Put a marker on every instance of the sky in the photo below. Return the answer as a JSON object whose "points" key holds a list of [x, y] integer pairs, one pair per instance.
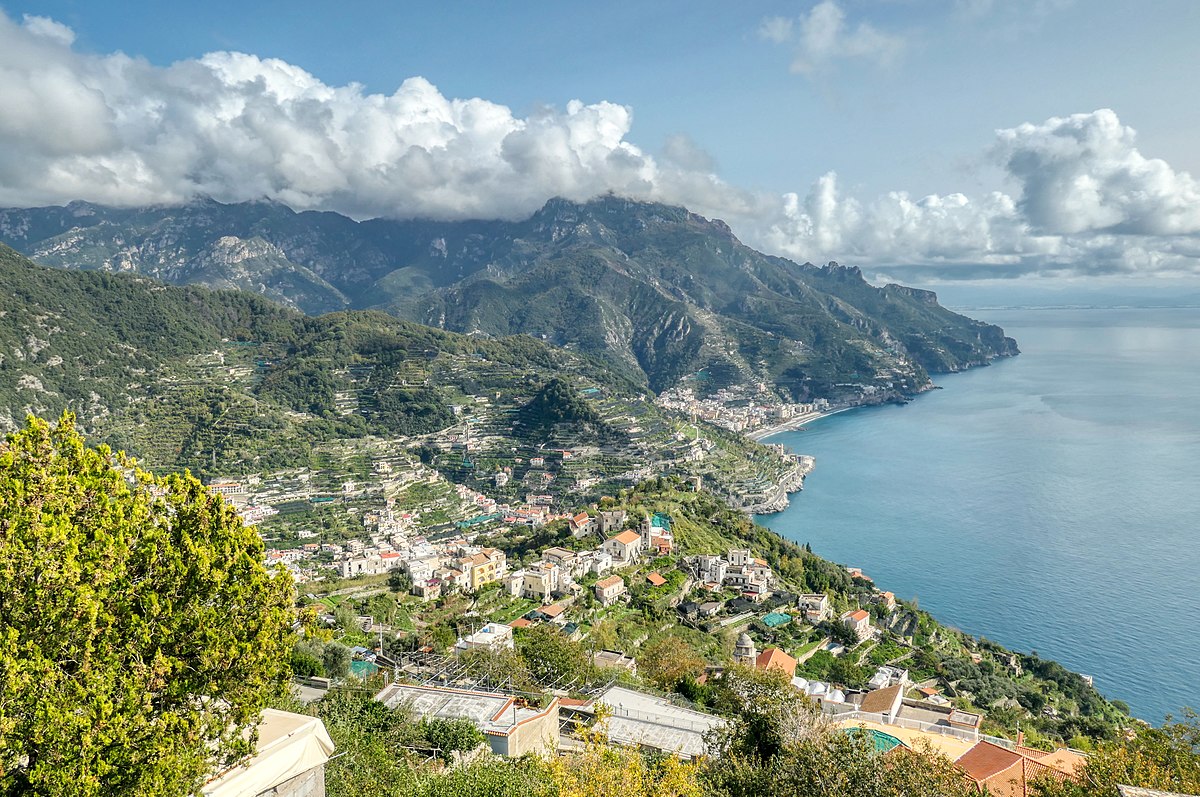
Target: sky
{"points": [[933, 139]]}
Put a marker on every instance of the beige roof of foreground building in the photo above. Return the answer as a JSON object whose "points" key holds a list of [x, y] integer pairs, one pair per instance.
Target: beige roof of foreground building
{"points": [[288, 745]]}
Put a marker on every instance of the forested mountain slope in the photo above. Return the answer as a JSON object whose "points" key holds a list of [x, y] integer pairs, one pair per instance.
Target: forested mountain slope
{"points": [[656, 291]]}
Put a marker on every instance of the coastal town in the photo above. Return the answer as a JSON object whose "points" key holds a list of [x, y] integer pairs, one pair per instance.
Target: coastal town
{"points": [[755, 411], [428, 561], [433, 585]]}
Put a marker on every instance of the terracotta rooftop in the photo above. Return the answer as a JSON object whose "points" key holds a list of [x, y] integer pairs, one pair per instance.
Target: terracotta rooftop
{"points": [[553, 610], [611, 581], [627, 537], [776, 659], [986, 760], [520, 622], [860, 615], [655, 579], [1010, 773]]}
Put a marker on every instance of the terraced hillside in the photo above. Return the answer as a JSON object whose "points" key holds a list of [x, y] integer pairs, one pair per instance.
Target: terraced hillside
{"points": [[227, 383]]}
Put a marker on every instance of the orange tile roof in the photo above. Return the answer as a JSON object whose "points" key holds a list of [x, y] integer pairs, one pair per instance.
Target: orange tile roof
{"points": [[520, 622], [627, 537], [553, 610], [776, 659], [1066, 761], [611, 581], [860, 615], [655, 579], [986, 760], [1008, 773]]}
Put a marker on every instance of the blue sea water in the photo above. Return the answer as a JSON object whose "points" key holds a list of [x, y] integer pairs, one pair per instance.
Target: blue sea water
{"points": [[1050, 502]]}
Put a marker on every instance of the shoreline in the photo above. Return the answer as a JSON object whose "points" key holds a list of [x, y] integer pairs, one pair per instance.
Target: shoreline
{"points": [[1019, 644], [791, 424]]}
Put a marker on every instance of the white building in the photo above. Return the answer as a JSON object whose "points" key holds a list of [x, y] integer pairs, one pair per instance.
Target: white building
{"points": [[815, 607], [609, 590], [493, 636], [859, 622], [541, 581], [625, 548]]}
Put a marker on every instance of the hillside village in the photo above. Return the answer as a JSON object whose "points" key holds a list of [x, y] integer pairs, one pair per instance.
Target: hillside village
{"points": [[434, 620]]}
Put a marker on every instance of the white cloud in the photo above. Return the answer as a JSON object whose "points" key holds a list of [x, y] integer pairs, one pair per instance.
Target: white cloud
{"points": [[48, 29], [822, 37], [119, 130], [1087, 202], [776, 29], [896, 228], [1083, 174]]}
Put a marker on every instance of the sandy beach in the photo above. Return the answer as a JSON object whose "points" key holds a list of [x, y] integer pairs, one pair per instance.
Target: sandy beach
{"points": [[791, 424]]}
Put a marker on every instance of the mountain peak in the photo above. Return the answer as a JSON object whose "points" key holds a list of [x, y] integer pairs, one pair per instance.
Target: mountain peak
{"points": [[658, 292]]}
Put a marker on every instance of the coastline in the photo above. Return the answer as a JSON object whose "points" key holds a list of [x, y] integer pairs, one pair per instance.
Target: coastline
{"points": [[1074, 658], [791, 424]]}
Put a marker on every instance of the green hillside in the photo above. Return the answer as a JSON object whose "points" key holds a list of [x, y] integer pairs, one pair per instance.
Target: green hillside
{"points": [[655, 291], [224, 382]]}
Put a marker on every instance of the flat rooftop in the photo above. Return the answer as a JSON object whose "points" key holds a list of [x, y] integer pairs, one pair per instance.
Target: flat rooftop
{"points": [[481, 708], [642, 719]]}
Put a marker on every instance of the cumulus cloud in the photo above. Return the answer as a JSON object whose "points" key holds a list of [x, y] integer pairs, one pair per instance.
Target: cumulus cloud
{"points": [[118, 130], [1086, 201], [1082, 173], [897, 228], [48, 28], [822, 37], [229, 125]]}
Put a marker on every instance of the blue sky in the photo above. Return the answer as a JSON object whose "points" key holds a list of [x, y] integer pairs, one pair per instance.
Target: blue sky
{"points": [[800, 122]]}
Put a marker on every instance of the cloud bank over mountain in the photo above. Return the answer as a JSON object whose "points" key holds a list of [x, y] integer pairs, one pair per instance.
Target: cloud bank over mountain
{"points": [[119, 130]]}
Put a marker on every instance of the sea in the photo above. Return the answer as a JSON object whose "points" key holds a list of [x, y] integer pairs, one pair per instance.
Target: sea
{"points": [[1049, 502]]}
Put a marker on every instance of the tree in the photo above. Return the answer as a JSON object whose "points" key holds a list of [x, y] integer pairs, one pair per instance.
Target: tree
{"points": [[603, 771], [451, 736], [669, 660], [399, 581], [336, 659], [766, 713], [843, 670], [141, 634], [604, 635], [832, 763], [838, 631], [440, 636], [307, 659], [551, 657]]}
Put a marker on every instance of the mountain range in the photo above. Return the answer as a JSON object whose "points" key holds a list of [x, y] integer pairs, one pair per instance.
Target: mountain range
{"points": [[227, 383], [657, 292]]}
